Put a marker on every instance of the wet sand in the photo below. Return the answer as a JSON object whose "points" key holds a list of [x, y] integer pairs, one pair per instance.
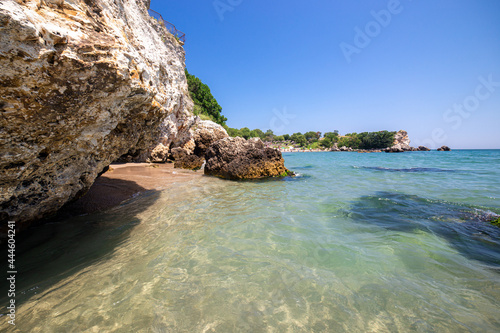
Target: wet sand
{"points": [[123, 181]]}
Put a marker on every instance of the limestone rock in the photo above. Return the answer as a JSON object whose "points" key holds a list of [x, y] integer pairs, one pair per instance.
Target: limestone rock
{"points": [[335, 147], [401, 143], [83, 82], [207, 132], [191, 162], [423, 148], [187, 132], [401, 138], [179, 153], [237, 158], [444, 148]]}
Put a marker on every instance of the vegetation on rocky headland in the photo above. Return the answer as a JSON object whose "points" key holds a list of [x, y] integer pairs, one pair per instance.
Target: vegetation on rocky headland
{"points": [[314, 140]]}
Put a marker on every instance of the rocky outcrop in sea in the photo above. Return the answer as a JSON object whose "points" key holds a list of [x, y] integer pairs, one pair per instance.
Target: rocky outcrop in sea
{"points": [[237, 158], [444, 148], [401, 143], [83, 82]]}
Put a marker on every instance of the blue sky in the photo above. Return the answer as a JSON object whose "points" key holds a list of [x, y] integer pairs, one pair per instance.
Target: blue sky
{"points": [[429, 67]]}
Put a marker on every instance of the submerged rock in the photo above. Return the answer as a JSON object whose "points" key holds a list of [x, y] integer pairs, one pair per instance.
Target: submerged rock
{"points": [[83, 82], [444, 148], [237, 158]]}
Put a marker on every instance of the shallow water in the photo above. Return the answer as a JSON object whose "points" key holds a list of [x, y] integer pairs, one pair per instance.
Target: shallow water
{"points": [[355, 243]]}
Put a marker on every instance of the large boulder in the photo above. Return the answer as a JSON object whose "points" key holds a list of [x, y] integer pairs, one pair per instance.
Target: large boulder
{"points": [[207, 132], [185, 134], [82, 83], [237, 158], [423, 148]]}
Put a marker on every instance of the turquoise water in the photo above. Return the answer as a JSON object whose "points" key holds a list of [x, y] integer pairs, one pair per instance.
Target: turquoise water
{"points": [[355, 243]]}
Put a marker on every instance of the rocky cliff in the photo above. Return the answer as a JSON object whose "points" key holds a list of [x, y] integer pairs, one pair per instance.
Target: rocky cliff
{"points": [[82, 82], [401, 138], [401, 143]]}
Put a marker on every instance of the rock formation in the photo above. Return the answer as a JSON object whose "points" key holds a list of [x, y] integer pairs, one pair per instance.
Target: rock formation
{"points": [[444, 148], [335, 147], [237, 158], [401, 143], [423, 148], [205, 134], [190, 136], [191, 162], [344, 148], [82, 82], [394, 149], [401, 138]]}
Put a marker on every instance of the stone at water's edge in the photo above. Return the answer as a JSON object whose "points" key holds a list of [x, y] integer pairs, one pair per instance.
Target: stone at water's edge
{"points": [[83, 82], [237, 158], [190, 162]]}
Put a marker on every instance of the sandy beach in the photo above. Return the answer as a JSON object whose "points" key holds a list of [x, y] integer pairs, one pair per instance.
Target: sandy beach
{"points": [[125, 180]]}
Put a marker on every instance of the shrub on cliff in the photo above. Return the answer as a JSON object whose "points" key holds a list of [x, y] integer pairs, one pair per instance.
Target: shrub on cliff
{"points": [[204, 101]]}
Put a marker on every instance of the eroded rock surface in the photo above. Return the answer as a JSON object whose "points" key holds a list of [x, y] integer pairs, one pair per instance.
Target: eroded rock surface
{"points": [[190, 162], [82, 83], [237, 158], [185, 135], [401, 143]]}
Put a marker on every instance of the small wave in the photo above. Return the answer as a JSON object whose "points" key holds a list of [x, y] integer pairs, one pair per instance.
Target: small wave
{"points": [[298, 177], [404, 169]]}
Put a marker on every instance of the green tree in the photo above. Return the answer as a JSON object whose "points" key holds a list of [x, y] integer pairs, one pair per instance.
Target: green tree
{"points": [[268, 136], [257, 133], [312, 136], [245, 132], [326, 142], [367, 140], [204, 102], [333, 136], [279, 138], [286, 137], [299, 139], [233, 132]]}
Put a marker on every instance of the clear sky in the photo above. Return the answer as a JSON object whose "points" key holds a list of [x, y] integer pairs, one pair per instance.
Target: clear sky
{"points": [[429, 67]]}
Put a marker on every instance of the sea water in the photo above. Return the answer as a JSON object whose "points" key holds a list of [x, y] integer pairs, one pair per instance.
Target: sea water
{"points": [[354, 243]]}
